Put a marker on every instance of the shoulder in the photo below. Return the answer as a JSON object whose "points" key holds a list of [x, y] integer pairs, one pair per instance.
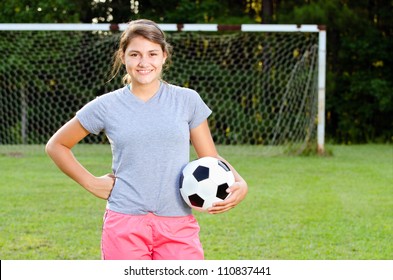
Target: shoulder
{"points": [[181, 92], [113, 95], [110, 98], [104, 101]]}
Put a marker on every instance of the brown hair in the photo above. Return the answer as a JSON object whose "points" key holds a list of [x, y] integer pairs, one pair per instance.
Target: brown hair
{"points": [[147, 29]]}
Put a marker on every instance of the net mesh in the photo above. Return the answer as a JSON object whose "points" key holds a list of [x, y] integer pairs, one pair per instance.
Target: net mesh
{"points": [[261, 86]]}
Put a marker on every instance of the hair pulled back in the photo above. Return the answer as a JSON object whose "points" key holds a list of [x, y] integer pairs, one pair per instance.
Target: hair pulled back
{"points": [[147, 29]]}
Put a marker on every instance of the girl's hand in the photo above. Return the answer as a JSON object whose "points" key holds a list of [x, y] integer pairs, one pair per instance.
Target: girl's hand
{"points": [[238, 192], [102, 186]]}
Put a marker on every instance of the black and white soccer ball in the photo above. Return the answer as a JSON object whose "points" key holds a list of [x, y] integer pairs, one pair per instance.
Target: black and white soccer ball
{"points": [[204, 181]]}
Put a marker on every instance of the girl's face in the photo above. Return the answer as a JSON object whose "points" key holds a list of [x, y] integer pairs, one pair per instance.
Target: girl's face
{"points": [[143, 60]]}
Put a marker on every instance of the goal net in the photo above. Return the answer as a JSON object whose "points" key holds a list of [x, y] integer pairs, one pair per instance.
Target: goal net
{"points": [[261, 86]]}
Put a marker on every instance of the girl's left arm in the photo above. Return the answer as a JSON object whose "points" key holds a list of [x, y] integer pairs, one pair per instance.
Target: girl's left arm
{"points": [[204, 146]]}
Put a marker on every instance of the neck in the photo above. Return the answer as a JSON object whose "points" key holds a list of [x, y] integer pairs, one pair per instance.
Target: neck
{"points": [[145, 91]]}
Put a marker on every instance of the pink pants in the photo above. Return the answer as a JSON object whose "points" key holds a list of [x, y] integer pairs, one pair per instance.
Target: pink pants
{"points": [[150, 237]]}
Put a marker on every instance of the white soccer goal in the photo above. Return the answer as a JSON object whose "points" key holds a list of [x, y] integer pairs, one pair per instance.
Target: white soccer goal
{"points": [[264, 83]]}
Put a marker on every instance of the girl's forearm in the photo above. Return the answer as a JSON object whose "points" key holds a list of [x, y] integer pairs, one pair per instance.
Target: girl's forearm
{"points": [[63, 157]]}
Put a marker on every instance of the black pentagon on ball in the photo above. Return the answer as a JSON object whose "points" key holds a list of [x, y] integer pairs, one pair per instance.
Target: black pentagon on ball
{"points": [[201, 173], [224, 166], [196, 200], [222, 191], [181, 179]]}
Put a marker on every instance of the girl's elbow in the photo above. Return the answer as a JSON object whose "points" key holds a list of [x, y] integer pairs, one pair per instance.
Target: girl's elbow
{"points": [[50, 147]]}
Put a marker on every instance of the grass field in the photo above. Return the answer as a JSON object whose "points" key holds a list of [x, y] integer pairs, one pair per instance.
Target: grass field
{"points": [[298, 208]]}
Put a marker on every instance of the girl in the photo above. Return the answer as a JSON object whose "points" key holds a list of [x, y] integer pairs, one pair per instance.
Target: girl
{"points": [[149, 124]]}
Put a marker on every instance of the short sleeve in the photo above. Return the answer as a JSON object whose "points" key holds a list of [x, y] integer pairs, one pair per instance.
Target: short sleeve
{"points": [[199, 111], [92, 116]]}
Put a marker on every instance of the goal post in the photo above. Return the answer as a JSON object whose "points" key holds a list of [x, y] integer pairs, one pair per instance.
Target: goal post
{"points": [[265, 83], [321, 90]]}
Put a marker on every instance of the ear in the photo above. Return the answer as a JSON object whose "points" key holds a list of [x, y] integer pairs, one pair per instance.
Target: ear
{"points": [[165, 57]]}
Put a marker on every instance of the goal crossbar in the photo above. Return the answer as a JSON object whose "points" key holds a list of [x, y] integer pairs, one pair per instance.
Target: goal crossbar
{"points": [[163, 26]]}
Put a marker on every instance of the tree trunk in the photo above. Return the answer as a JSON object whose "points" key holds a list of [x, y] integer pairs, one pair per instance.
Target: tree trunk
{"points": [[267, 11]]}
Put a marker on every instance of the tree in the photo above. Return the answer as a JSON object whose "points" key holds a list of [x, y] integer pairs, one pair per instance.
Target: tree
{"points": [[267, 11], [359, 83], [50, 11]]}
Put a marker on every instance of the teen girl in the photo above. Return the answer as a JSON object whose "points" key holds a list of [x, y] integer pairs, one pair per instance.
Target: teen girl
{"points": [[149, 124]]}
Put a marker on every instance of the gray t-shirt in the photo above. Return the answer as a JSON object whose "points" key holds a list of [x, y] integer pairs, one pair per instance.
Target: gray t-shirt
{"points": [[150, 144]]}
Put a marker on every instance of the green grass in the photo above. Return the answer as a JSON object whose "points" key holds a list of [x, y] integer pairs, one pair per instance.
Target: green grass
{"points": [[337, 207]]}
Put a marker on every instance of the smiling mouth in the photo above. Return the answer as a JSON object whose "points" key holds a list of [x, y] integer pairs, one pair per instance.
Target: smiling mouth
{"points": [[144, 72]]}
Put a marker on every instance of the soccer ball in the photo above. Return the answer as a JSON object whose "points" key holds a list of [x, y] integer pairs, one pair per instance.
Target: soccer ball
{"points": [[204, 181]]}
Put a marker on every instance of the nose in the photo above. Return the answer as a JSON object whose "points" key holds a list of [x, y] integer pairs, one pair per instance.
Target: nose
{"points": [[142, 62]]}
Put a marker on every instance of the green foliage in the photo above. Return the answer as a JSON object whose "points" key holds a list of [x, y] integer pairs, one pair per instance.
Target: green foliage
{"points": [[191, 11], [48, 11], [360, 80]]}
